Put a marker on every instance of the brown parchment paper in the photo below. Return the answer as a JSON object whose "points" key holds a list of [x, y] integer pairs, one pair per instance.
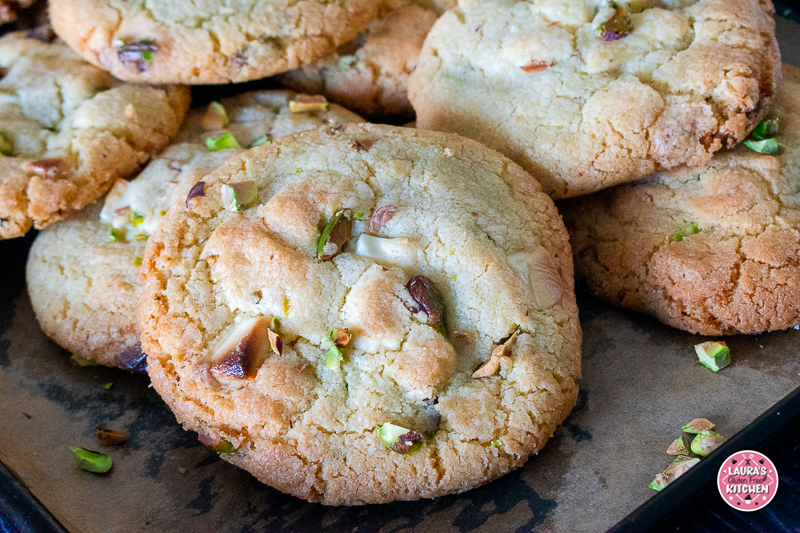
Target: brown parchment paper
{"points": [[641, 383]]}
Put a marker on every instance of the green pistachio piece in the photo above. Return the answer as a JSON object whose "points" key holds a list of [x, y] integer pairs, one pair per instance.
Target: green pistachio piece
{"points": [[215, 117], [617, 27], [116, 235], [359, 215], [347, 62], [108, 385], [680, 446], [764, 146], [224, 446], [239, 196], [495, 443], [141, 237], [699, 425], [261, 140], [659, 483], [689, 229], [91, 461], [428, 297], [82, 361], [334, 358], [6, 146], [706, 442], [400, 439], [335, 235], [765, 128], [135, 52], [225, 142], [137, 261], [714, 355], [339, 336], [135, 218]]}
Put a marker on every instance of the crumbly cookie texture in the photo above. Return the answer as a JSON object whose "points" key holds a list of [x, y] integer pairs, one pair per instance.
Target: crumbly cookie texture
{"points": [[585, 97], [713, 250], [9, 8], [83, 273], [183, 41], [370, 73], [68, 130], [497, 263]]}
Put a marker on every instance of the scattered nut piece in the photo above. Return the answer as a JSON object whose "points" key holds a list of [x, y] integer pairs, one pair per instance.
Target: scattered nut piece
{"points": [[215, 117], [198, 190], [424, 292], [109, 437], [339, 336], [500, 353], [304, 102], [242, 353], [275, 342], [381, 217], [699, 425]]}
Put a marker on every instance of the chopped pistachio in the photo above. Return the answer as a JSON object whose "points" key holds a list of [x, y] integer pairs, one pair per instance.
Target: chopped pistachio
{"points": [[242, 352], [339, 336], [304, 102], [116, 235], [261, 140], [347, 62], [224, 446], [215, 117], [337, 232], [224, 142], [135, 218], [616, 27], [240, 195], [764, 146], [140, 237], [6, 146], [109, 437], [659, 483], [765, 129], [163, 212], [680, 446], [298, 170], [428, 297], [136, 53], [334, 358], [495, 443], [699, 425], [676, 469], [500, 353], [275, 342], [198, 190], [381, 217], [453, 277], [714, 355], [276, 324], [706, 442], [83, 361], [91, 461], [359, 215], [400, 439], [689, 229], [108, 385]]}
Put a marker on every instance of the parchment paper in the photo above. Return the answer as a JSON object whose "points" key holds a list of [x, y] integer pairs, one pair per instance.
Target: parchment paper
{"points": [[641, 383]]}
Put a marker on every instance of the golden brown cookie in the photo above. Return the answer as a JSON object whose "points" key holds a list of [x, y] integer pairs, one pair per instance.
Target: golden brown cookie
{"points": [[68, 130], [585, 95], [712, 250], [365, 314]]}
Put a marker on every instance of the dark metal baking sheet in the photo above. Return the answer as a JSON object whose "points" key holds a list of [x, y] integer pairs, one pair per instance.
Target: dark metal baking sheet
{"points": [[641, 382]]}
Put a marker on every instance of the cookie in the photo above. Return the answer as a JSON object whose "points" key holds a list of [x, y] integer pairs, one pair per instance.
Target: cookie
{"points": [[9, 9], [68, 130], [586, 97], [83, 273], [367, 282], [370, 73], [712, 250], [183, 41]]}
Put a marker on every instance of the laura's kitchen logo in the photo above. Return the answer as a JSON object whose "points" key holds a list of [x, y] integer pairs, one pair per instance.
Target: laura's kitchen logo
{"points": [[747, 480]]}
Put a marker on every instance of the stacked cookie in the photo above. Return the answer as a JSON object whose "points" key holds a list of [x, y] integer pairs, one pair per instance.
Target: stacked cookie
{"points": [[358, 313]]}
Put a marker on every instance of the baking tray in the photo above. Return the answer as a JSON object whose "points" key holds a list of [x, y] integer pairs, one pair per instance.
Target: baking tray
{"points": [[641, 382]]}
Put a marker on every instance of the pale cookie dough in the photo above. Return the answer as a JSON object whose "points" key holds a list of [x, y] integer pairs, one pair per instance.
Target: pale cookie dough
{"points": [[370, 73], [474, 224], [68, 130], [535, 80], [83, 273], [183, 41], [736, 267]]}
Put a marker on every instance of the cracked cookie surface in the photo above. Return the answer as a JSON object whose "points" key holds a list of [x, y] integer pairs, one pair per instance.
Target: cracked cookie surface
{"points": [[68, 130], [183, 41], [83, 280], [474, 224], [370, 73], [582, 107], [736, 267]]}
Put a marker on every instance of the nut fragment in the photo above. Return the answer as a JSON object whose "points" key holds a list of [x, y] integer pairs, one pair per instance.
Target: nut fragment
{"points": [[538, 65], [400, 439], [50, 168], [381, 217], [198, 190], [706, 442], [336, 232], [699, 425], [430, 300], [138, 53], [339, 336], [109, 437], [617, 26], [275, 342], [243, 351], [240, 195], [680, 446], [215, 117], [498, 354], [676, 469], [6, 146], [304, 102]]}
